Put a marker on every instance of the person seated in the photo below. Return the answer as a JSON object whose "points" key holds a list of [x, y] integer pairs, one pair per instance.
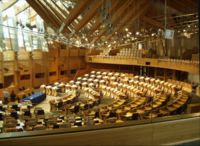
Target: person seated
{"points": [[76, 109], [40, 112], [24, 96], [1, 107], [135, 116], [55, 126], [60, 104], [15, 107], [6, 96], [18, 99], [97, 114], [12, 96], [1, 116], [27, 113], [23, 88], [113, 114], [14, 114]]}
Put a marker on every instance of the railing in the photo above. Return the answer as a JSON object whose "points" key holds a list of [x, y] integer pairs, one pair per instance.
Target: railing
{"points": [[181, 65], [176, 129]]}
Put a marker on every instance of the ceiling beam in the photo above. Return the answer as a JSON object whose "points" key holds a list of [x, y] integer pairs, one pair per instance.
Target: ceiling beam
{"points": [[192, 3], [48, 12], [130, 18], [7, 5], [18, 11], [152, 22], [41, 12], [91, 13], [173, 4], [60, 9], [115, 5], [77, 10], [120, 12], [53, 10], [51, 15]]}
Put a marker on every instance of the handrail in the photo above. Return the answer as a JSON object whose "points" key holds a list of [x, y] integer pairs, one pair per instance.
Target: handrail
{"points": [[11, 135], [186, 66]]}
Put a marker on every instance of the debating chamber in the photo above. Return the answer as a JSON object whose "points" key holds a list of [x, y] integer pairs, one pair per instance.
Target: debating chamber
{"points": [[99, 72]]}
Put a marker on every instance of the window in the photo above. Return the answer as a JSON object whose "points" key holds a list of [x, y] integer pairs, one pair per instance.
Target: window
{"points": [[53, 73], [73, 71], [39, 75], [63, 72], [25, 77]]}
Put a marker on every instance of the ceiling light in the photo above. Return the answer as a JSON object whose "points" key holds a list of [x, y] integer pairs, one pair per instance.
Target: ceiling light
{"points": [[126, 29], [137, 33], [184, 30]]}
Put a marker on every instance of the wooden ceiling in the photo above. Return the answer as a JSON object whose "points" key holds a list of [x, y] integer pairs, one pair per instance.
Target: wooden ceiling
{"points": [[104, 20]]}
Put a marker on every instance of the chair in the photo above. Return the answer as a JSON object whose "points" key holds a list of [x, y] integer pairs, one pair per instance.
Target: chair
{"points": [[97, 115], [112, 114], [40, 113], [78, 122], [1, 116], [55, 126], [60, 104], [14, 114], [15, 107], [27, 114], [76, 109], [135, 116], [1, 108]]}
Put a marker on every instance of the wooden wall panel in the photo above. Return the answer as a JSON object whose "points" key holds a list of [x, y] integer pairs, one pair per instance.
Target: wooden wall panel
{"points": [[74, 63], [1, 77], [73, 51], [39, 72], [31, 69], [64, 51], [24, 68], [82, 62], [53, 52], [82, 52]]}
